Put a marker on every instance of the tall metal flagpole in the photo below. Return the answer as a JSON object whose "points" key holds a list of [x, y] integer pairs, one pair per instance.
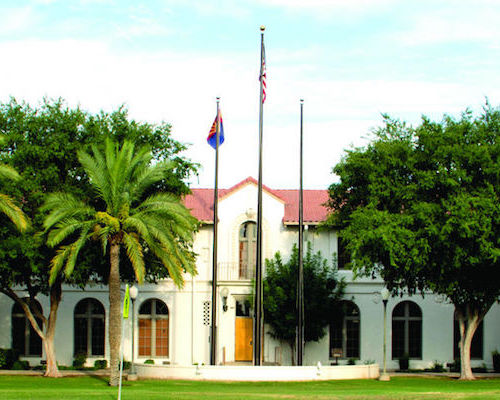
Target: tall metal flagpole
{"points": [[257, 329], [213, 328], [300, 272]]}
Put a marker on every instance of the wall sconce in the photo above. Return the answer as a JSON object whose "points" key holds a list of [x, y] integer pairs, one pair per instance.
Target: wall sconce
{"points": [[224, 294]]}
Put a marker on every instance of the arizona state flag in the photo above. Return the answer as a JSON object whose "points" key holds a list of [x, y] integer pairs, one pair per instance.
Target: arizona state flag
{"points": [[212, 135]]}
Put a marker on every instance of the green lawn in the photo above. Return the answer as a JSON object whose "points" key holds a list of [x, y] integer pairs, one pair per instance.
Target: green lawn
{"points": [[88, 388]]}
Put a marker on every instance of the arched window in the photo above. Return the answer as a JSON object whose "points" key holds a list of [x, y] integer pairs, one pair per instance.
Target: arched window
{"points": [[476, 349], [153, 329], [248, 239], [344, 331], [89, 327], [24, 338], [407, 330]]}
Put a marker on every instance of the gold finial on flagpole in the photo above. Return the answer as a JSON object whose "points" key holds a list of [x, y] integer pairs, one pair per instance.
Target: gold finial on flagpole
{"points": [[262, 28]]}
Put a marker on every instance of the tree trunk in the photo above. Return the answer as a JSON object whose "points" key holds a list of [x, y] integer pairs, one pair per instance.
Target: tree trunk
{"points": [[49, 325], [50, 330], [468, 321], [52, 370], [115, 316], [292, 348]]}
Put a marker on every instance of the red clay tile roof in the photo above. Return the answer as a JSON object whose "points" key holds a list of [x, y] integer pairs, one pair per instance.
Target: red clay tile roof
{"points": [[201, 201]]}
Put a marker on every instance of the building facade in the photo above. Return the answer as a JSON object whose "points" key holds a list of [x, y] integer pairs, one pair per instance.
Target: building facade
{"points": [[172, 326]]}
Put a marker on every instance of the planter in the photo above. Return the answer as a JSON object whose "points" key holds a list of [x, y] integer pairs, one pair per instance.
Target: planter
{"points": [[404, 363], [496, 361]]}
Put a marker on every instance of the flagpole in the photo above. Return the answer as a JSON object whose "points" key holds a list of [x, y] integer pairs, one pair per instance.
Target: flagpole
{"points": [[300, 272], [257, 340], [213, 328]]}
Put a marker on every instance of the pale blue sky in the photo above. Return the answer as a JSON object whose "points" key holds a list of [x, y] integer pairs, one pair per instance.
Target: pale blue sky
{"points": [[169, 59]]}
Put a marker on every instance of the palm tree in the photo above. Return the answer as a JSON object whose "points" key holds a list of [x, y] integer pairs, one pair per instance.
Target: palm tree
{"points": [[7, 205], [158, 224]]}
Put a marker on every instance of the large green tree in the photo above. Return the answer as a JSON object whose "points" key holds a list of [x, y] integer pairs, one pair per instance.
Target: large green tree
{"points": [[421, 208], [42, 143], [124, 220], [322, 294]]}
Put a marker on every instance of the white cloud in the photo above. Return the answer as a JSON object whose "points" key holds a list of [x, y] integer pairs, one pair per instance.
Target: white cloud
{"points": [[180, 88], [467, 22], [325, 8], [15, 20]]}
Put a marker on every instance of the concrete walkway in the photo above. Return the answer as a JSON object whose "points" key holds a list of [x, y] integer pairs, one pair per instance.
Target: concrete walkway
{"points": [[105, 373], [64, 373]]}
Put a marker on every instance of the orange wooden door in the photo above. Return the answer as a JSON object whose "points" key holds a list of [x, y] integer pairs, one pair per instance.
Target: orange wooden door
{"points": [[243, 339]]}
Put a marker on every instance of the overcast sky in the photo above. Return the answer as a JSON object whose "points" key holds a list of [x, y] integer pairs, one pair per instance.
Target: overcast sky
{"points": [[167, 60]]}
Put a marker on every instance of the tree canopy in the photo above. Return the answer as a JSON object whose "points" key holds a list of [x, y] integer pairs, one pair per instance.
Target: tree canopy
{"points": [[42, 143], [420, 206], [322, 293]]}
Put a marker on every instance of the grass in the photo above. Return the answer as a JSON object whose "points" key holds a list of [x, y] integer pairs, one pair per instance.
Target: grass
{"points": [[88, 388]]}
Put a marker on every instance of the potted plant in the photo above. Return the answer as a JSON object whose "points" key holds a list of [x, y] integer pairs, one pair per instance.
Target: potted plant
{"points": [[404, 362], [495, 355]]}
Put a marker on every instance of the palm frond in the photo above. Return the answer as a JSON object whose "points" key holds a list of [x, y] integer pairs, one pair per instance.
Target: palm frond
{"points": [[13, 212], [57, 262], [135, 255], [75, 250], [63, 206], [62, 230], [95, 166], [7, 172]]}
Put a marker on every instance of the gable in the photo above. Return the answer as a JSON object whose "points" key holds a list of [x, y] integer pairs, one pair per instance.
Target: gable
{"points": [[201, 202]]}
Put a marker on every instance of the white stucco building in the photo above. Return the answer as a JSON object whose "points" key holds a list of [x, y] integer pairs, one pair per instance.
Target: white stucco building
{"points": [[172, 326]]}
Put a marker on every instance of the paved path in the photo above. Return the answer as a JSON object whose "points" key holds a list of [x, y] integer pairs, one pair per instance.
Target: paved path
{"points": [[105, 373]]}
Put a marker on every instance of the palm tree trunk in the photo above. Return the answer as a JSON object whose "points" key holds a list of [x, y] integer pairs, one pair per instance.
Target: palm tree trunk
{"points": [[115, 317]]}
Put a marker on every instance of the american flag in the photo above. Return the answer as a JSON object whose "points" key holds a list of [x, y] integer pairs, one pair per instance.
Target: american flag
{"points": [[263, 73]]}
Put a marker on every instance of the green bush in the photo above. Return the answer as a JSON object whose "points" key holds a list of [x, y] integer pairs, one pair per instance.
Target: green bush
{"points": [[79, 360], [482, 368], [127, 364], [149, 361], [351, 361], [101, 364], [20, 365], [455, 367], [7, 358], [437, 367]]}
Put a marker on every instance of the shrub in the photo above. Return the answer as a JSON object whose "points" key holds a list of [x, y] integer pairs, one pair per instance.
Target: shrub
{"points": [[482, 368], [455, 367], [437, 367], [100, 364], [351, 361], [20, 365], [149, 361], [7, 358], [79, 360], [127, 364]]}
